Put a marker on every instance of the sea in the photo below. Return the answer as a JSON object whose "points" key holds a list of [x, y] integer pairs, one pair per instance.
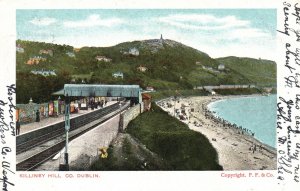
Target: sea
{"points": [[257, 114]]}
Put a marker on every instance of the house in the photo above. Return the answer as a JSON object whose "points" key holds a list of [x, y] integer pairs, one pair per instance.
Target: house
{"points": [[44, 72], [149, 88], [198, 63], [19, 49], [103, 59], [35, 60], [31, 62], [118, 75], [71, 54], [211, 69], [76, 49], [147, 101], [221, 67], [49, 52], [142, 68], [133, 51], [207, 68]]}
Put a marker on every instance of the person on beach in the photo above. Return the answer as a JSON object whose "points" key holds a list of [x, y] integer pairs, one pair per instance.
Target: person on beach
{"points": [[254, 148]]}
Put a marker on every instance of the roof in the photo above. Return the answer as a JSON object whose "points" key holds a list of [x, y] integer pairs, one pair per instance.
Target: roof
{"points": [[59, 92], [146, 96], [101, 90]]}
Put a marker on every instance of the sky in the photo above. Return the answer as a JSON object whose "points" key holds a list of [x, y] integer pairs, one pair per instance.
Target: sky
{"points": [[217, 32]]}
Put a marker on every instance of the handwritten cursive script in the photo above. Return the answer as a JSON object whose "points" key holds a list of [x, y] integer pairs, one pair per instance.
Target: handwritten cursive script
{"points": [[288, 106], [7, 129]]}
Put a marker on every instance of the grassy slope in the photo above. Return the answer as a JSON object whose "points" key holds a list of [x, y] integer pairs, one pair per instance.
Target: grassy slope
{"points": [[180, 147], [172, 145], [172, 67], [261, 72], [59, 61]]}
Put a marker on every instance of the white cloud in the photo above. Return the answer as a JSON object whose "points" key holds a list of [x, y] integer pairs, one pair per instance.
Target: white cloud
{"points": [[43, 21], [242, 35], [203, 21], [220, 31], [92, 21]]}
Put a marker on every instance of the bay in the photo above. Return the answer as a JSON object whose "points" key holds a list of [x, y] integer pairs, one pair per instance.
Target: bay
{"points": [[257, 114]]}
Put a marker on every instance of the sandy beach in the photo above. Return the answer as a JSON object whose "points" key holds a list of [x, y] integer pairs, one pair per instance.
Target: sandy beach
{"points": [[237, 149]]}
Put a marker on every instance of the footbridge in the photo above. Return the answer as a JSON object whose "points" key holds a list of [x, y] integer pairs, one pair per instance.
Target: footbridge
{"points": [[132, 92]]}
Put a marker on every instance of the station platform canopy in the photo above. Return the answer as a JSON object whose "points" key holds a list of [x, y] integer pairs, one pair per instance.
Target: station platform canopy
{"points": [[102, 90]]}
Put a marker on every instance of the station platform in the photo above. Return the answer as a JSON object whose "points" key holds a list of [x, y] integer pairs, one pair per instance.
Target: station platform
{"points": [[53, 120]]}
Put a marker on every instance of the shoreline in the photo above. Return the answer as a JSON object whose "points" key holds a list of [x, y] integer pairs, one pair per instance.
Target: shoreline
{"points": [[236, 150], [237, 97]]}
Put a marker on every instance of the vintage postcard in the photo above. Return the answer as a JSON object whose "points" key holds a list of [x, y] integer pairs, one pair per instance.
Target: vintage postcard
{"points": [[152, 95]]}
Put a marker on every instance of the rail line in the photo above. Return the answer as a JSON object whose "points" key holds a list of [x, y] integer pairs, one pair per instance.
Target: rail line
{"points": [[37, 159], [85, 119]]}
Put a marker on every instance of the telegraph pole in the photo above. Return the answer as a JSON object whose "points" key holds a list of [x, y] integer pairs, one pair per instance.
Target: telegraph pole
{"points": [[65, 166]]}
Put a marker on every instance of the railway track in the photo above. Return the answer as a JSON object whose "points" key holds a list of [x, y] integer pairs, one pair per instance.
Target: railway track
{"points": [[75, 124], [23, 147], [37, 159]]}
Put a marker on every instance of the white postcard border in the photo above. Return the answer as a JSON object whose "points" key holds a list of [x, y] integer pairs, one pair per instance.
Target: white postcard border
{"points": [[127, 180]]}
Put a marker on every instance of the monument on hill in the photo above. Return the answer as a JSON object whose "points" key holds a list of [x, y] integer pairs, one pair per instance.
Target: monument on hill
{"points": [[161, 38]]}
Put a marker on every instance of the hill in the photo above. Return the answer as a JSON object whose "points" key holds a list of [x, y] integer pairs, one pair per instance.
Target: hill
{"points": [[261, 72], [162, 64]]}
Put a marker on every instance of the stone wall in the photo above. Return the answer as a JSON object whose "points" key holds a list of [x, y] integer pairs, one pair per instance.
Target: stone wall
{"points": [[129, 115], [84, 150], [225, 87]]}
